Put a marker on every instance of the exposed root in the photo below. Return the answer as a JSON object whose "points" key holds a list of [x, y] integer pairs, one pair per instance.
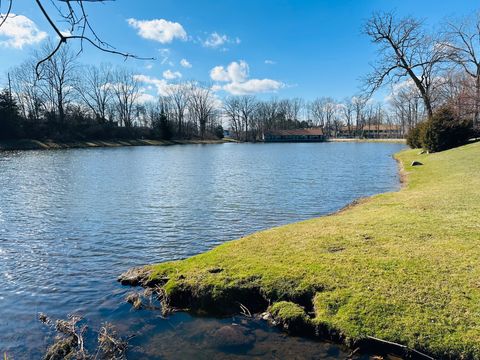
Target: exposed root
{"points": [[244, 310], [164, 301]]}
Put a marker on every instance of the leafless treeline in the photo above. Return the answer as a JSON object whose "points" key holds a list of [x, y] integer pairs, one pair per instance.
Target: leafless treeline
{"points": [[426, 69], [68, 96], [249, 118]]}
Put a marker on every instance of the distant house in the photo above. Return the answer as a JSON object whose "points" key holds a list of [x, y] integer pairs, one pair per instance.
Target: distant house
{"points": [[378, 131], [295, 135], [347, 132], [381, 131]]}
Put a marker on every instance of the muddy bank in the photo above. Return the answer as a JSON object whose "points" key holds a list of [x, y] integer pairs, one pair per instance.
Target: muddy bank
{"points": [[28, 144]]}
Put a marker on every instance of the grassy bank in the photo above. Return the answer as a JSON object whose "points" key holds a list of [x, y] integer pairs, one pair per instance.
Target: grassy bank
{"points": [[403, 266], [50, 145]]}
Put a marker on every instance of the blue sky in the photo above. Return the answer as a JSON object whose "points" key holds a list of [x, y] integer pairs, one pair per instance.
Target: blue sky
{"points": [[284, 48]]}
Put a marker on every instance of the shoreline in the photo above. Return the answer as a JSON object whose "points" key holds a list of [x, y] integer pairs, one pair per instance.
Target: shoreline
{"points": [[299, 324], [29, 144], [322, 288]]}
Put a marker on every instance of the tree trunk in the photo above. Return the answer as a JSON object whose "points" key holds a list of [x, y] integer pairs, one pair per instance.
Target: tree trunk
{"points": [[180, 119], [202, 129], [477, 97], [61, 112]]}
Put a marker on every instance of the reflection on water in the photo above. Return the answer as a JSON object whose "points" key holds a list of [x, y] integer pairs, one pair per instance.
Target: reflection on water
{"points": [[72, 220]]}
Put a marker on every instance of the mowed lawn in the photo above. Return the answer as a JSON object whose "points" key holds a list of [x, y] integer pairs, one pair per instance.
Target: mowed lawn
{"points": [[402, 266]]}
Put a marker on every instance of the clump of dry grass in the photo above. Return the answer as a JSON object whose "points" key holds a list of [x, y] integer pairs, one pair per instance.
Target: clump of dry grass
{"points": [[70, 344]]}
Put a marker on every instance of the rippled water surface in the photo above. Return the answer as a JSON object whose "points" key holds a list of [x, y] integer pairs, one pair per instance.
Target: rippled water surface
{"points": [[72, 220]]}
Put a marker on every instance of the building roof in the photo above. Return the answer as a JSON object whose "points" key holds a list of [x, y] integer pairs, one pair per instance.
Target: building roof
{"points": [[296, 132]]}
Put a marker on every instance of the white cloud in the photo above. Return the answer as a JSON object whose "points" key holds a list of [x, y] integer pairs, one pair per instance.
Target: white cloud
{"points": [[216, 40], [217, 87], [170, 75], [405, 86], [218, 73], [235, 72], [18, 31], [236, 76], [160, 30], [162, 85], [253, 86], [146, 98], [270, 62], [185, 63]]}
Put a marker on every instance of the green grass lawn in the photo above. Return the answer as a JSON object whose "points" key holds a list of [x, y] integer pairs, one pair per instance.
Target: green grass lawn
{"points": [[403, 266]]}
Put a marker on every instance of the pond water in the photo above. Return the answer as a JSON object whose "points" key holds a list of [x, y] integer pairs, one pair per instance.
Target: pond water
{"points": [[72, 220]]}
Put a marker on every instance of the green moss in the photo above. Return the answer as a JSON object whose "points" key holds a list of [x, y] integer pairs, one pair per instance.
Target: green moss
{"points": [[287, 311], [292, 317], [403, 266]]}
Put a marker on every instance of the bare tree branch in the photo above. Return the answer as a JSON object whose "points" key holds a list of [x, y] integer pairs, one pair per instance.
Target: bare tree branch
{"points": [[4, 18], [404, 51], [80, 28]]}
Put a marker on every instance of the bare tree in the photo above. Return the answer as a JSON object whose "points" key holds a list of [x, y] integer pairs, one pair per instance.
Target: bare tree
{"points": [[360, 102], [201, 105], [231, 109], [464, 40], [323, 112], [247, 106], [57, 78], [407, 105], [405, 50], [125, 88], [293, 108], [316, 112], [179, 95], [25, 88], [347, 109], [268, 113], [95, 90]]}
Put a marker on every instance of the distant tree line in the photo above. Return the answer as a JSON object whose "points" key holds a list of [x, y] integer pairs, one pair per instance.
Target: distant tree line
{"points": [[64, 100], [61, 99], [249, 118]]}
